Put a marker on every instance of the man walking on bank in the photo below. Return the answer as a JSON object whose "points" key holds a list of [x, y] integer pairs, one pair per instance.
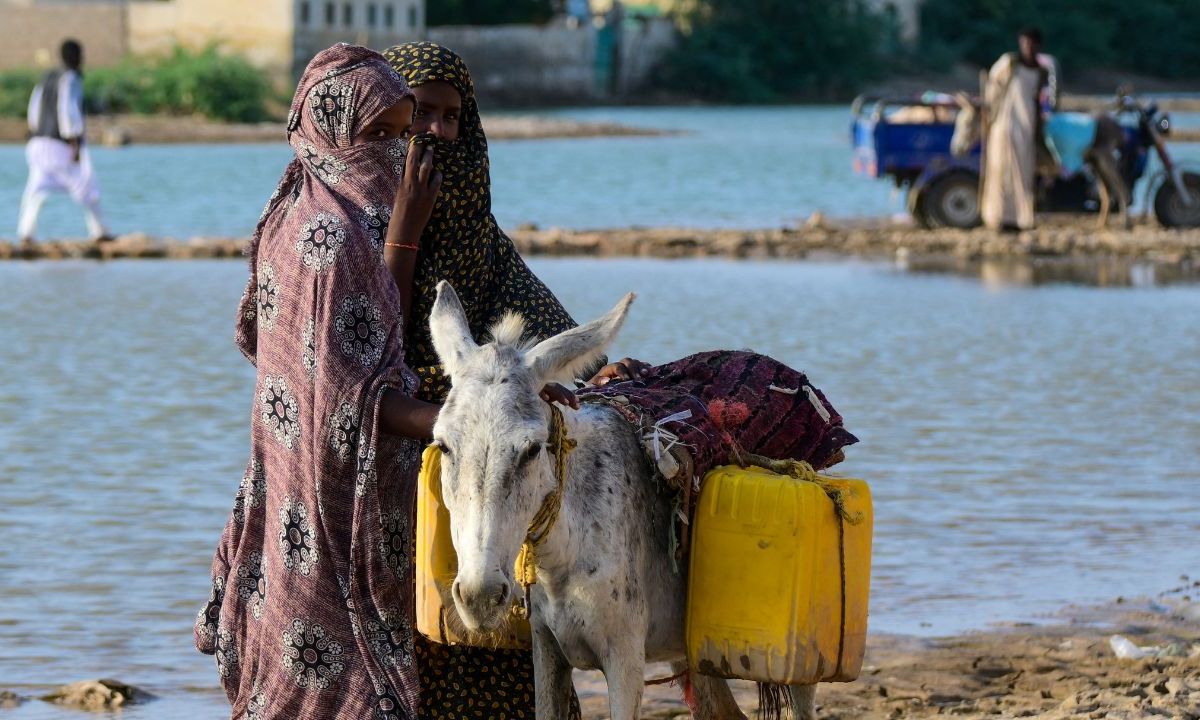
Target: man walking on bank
{"points": [[57, 155], [1014, 88]]}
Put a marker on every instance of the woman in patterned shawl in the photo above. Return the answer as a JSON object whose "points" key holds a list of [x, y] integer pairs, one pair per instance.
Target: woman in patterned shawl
{"points": [[310, 611]]}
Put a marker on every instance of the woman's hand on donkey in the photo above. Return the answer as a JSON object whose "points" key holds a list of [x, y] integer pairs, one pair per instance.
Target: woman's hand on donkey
{"points": [[624, 369], [555, 393]]}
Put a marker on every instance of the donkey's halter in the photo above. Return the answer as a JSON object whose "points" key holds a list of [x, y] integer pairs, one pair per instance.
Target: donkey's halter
{"points": [[547, 515]]}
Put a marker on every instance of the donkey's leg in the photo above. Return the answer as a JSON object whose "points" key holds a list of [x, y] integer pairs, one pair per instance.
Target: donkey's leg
{"points": [[714, 699], [1109, 175], [1105, 205], [804, 701], [551, 676], [624, 669]]}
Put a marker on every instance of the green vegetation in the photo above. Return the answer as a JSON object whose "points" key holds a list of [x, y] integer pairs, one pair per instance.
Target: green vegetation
{"points": [[1152, 37], [15, 86], [208, 82], [768, 51], [489, 12], [184, 82]]}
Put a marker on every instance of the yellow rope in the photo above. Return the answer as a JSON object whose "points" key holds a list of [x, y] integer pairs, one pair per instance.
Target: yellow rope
{"points": [[547, 515], [803, 471]]}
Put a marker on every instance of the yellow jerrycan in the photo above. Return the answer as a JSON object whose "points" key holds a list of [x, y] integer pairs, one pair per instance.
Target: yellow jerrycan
{"points": [[779, 578], [437, 566]]}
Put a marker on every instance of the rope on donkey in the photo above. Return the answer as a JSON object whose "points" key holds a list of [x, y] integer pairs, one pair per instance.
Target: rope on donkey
{"points": [[801, 470], [547, 515]]}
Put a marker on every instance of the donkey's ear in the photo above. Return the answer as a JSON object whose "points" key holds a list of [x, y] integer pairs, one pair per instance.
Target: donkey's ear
{"points": [[450, 330], [559, 358]]}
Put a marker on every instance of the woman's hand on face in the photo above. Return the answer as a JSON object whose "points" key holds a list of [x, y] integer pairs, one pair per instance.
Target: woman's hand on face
{"points": [[417, 194], [624, 369], [555, 393]]}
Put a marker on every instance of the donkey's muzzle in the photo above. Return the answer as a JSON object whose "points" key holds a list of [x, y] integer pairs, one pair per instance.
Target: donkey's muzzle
{"points": [[482, 604]]}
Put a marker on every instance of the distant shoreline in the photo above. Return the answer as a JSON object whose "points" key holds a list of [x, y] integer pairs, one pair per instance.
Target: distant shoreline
{"points": [[1063, 249], [116, 130]]}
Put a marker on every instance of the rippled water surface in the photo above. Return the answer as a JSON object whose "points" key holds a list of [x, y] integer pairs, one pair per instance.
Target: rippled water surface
{"points": [[1027, 447], [728, 167]]}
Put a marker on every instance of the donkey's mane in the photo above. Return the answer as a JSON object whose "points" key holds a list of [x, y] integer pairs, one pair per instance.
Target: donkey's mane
{"points": [[510, 331]]}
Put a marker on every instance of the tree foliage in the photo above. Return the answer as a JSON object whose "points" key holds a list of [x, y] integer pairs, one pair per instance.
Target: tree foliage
{"points": [[1153, 37], [770, 50], [489, 12]]}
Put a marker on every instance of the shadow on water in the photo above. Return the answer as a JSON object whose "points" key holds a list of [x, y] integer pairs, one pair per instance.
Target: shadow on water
{"points": [[1035, 271]]}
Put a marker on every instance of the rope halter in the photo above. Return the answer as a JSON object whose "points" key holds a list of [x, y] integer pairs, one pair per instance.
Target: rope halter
{"points": [[547, 515]]}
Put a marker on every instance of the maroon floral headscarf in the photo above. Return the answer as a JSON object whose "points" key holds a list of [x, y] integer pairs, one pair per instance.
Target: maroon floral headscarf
{"points": [[311, 605], [342, 90]]}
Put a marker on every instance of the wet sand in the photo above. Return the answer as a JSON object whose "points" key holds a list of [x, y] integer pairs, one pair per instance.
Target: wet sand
{"points": [[1064, 669], [161, 129]]}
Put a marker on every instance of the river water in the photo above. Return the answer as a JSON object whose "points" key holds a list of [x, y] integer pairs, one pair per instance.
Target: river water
{"points": [[727, 167], [1027, 446]]}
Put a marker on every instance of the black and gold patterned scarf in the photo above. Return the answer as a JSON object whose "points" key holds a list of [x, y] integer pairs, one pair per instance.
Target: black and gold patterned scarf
{"points": [[462, 242]]}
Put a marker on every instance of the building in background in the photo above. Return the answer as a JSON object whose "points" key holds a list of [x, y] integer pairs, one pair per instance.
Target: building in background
{"points": [[654, 7], [277, 35]]}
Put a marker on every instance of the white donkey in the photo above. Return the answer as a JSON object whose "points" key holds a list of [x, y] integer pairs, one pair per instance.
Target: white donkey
{"points": [[606, 596]]}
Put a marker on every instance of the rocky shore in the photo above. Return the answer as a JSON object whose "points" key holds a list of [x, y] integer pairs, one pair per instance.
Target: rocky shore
{"points": [[1059, 251], [115, 130]]}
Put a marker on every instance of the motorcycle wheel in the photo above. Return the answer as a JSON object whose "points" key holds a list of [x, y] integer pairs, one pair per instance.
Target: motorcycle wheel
{"points": [[921, 216], [1170, 208], [953, 201]]}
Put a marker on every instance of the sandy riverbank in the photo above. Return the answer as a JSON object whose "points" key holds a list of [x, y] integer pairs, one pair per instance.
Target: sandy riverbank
{"points": [[1061, 250], [161, 129], [1064, 669]]}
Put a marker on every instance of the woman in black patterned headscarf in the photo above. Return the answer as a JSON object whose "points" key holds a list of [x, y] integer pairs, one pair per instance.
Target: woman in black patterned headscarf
{"points": [[462, 243]]}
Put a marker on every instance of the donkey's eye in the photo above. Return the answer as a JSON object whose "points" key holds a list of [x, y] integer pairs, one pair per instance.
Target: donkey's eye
{"points": [[531, 451]]}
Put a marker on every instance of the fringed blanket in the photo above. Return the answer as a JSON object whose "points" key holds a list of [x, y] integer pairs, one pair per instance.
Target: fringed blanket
{"points": [[716, 408]]}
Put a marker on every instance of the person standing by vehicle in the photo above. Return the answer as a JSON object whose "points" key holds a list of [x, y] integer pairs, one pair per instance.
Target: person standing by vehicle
{"points": [[57, 156], [1013, 95]]}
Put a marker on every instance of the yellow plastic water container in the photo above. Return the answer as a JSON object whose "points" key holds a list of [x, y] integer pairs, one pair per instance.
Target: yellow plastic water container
{"points": [[779, 579], [437, 566]]}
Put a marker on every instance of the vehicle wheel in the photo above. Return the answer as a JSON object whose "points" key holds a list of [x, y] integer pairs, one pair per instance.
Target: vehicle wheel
{"points": [[1170, 208], [920, 215], [953, 201]]}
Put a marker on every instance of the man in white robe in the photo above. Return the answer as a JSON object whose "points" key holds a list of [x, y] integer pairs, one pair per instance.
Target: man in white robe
{"points": [[57, 154], [1014, 87]]}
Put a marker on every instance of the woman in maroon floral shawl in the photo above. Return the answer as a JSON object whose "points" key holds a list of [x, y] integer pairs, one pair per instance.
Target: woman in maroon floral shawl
{"points": [[311, 604]]}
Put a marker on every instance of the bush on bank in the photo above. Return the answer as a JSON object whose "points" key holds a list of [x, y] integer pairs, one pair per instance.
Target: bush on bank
{"points": [[15, 86], [204, 82]]}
